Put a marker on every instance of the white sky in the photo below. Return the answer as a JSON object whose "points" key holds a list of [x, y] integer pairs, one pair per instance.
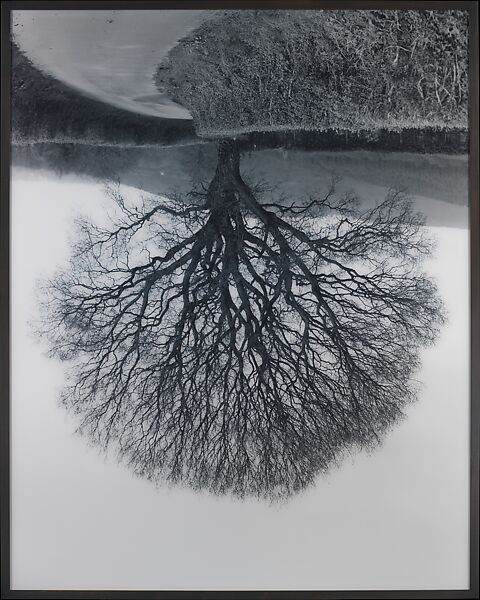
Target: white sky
{"points": [[396, 518]]}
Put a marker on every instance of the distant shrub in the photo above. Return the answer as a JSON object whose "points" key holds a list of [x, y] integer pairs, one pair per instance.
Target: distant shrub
{"points": [[317, 70]]}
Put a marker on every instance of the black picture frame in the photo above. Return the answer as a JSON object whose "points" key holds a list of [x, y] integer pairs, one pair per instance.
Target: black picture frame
{"points": [[5, 363]]}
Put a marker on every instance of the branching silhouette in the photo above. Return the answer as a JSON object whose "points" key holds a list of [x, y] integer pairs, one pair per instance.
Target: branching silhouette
{"points": [[232, 342]]}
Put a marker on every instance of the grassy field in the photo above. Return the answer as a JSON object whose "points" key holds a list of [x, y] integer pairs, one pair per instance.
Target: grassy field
{"points": [[321, 70]]}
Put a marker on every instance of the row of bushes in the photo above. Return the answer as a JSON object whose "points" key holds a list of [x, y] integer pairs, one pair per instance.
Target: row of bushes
{"points": [[45, 109], [322, 70]]}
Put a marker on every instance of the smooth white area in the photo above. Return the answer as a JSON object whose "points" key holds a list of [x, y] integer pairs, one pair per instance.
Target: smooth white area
{"points": [[110, 55], [393, 519]]}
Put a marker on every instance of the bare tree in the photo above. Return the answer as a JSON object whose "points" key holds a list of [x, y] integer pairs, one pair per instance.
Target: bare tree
{"points": [[241, 344]]}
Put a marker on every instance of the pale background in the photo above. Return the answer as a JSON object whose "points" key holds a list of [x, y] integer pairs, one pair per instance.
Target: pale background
{"points": [[396, 518]]}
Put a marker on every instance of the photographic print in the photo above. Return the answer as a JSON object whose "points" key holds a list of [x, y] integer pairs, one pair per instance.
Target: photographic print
{"points": [[240, 314]]}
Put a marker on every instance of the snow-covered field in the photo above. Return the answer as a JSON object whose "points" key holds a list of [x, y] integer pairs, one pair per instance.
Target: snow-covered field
{"points": [[110, 55], [398, 517], [438, 182]]}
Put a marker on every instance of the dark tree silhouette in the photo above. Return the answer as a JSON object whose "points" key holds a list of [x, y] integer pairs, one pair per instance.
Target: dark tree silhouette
{"points": [[241, 344]]}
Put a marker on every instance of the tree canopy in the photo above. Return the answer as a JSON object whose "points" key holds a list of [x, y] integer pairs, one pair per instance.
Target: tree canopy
{"points": [[240, 342]]}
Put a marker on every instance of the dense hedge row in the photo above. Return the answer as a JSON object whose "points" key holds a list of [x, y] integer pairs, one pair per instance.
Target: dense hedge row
{"points": [[317, 70], [45, 109]]}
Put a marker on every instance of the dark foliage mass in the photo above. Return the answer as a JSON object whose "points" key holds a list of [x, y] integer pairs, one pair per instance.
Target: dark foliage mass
{"points": [[420, 141], [322, 70], [239, 342], [44, 109]]}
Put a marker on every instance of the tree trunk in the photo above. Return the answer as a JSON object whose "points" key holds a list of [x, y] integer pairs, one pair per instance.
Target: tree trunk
{"points": [[224, 182]]}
